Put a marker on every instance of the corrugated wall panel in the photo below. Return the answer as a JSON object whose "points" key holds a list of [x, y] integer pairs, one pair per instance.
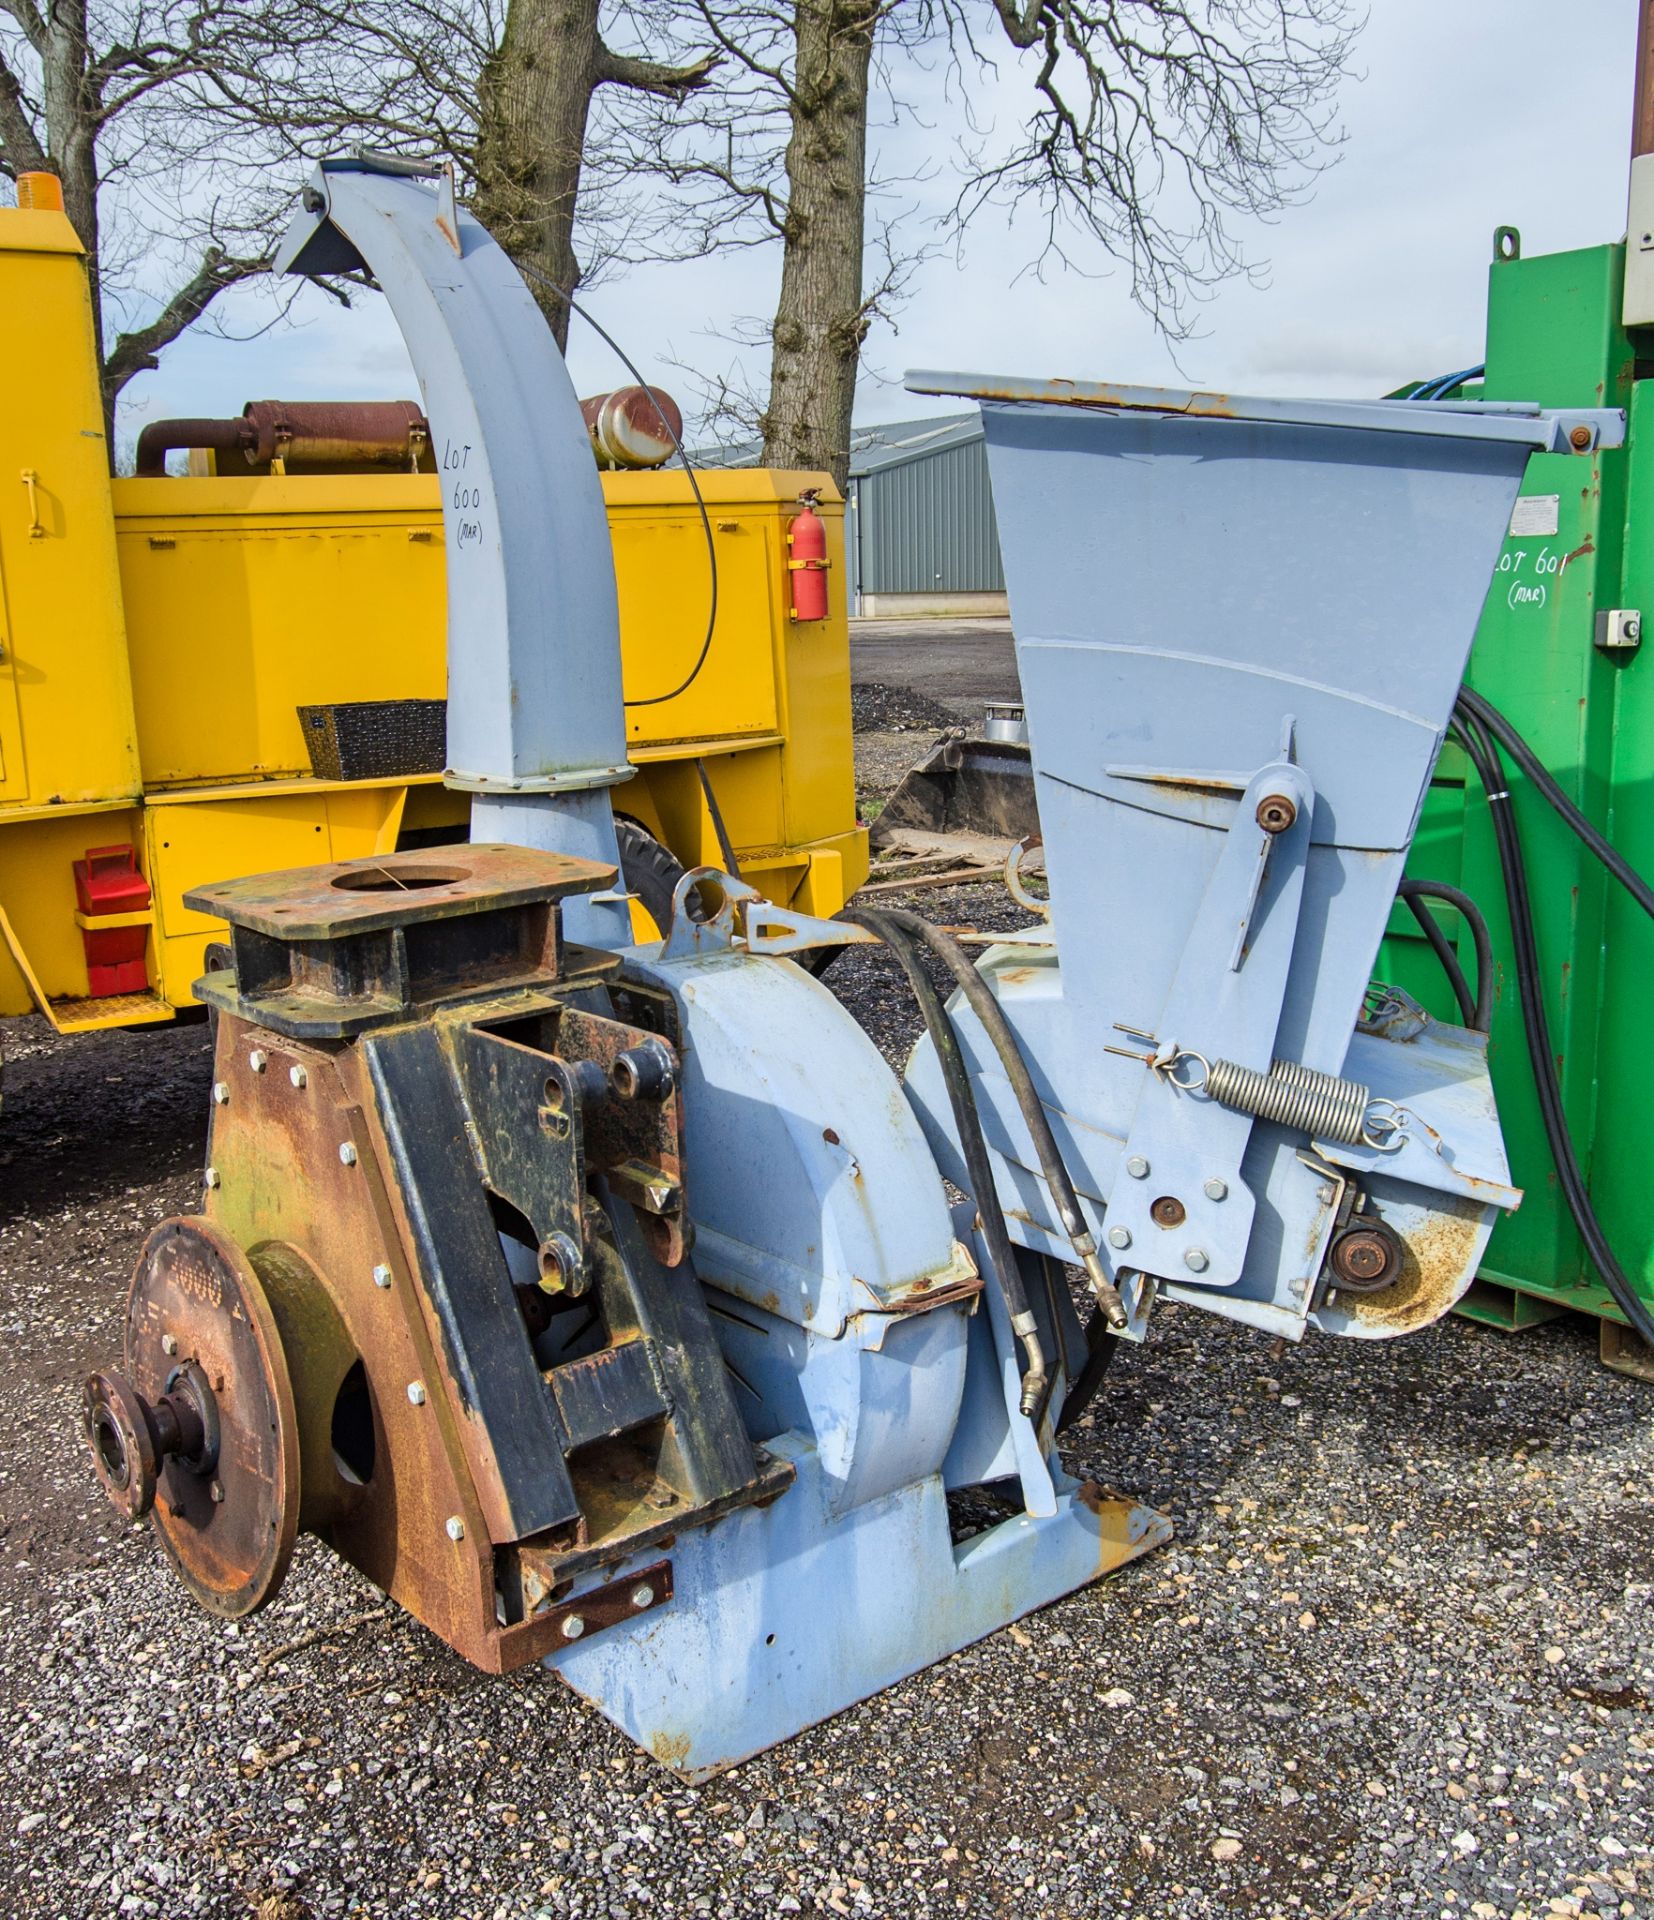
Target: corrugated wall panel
{"points": [[927, 525]]}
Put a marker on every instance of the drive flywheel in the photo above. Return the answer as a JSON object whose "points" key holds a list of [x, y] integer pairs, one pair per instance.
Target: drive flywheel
{"points": [[201, 1429]]}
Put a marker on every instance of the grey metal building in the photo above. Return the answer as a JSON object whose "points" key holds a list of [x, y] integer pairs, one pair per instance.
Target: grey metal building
{"points": [[920, 536], [919, 531]]}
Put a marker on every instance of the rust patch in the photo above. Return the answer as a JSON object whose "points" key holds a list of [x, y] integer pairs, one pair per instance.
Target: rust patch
{"points": [[1118, 1540], [670, 1749], [1623, 1351], [1436, 1261]]}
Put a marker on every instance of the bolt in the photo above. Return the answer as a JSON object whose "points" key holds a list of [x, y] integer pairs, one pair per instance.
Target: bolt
{"points": [[256, 1060], [1579, 438], [416, 1392], [1365, 1261], [211, 1176], [1217, 1189], [643, 1596], [1196, 1261], [1137, 1167], [456, 1527], [169, 1344], [1119, 1237], [1168, 1211], [1276, 812], [298, 1076], [1298, 1289], [347, 1153], [220, 1093], [562, 1266], [381, 1276], [642, 1073], [573, 1627]]}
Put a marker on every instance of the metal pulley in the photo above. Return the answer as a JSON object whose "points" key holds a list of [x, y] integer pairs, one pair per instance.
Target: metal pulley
{"points": [[201, 1428]]}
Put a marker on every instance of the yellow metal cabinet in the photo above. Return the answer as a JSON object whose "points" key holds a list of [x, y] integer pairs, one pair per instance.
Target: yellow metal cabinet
{"points": [[158, 636], [74, 739]]}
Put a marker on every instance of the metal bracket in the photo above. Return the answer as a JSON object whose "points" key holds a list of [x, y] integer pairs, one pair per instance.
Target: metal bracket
{"points": [[745, 922], [606, 1606], [1180, 1208]]}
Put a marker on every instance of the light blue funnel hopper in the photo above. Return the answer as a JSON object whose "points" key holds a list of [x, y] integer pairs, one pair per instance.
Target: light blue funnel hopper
{"points": [[1241, 626]]}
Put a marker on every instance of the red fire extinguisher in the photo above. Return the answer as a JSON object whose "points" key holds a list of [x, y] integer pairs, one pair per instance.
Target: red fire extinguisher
{"points": [[807, 538]]}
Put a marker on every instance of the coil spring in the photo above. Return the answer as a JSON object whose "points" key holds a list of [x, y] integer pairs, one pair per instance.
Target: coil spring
{"points": [[1293, 1095]]}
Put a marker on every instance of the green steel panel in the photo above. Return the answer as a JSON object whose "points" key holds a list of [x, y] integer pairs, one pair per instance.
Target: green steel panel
{"points": [[1622, 1168], [1583, 539], [1553, 330]]}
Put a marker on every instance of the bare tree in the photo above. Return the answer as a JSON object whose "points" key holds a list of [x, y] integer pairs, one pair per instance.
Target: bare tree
{"points": [[1146, 133], [92, 96], [176, 127], [524, 96]]}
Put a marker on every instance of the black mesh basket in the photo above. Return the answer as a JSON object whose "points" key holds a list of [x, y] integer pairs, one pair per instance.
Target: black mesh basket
{"points": [[376, 739]]}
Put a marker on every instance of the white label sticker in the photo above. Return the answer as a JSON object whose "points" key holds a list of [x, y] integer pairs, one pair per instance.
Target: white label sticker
{"points": [[1535, 513]]}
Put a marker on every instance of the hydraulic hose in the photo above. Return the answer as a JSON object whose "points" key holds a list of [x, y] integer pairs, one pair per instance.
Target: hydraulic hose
{"points": [[1002, 1259], [1477, 1010], [1101, 1347], [985, 1006], [625, 359], [1494, 722], [1478, 741]]}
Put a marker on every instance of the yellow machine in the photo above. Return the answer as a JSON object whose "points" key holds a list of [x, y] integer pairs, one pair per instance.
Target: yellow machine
{"points": [[158, 637]]}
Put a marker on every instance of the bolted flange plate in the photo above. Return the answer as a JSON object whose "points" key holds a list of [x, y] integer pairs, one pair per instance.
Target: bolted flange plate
{"points": [[228, 1530]]}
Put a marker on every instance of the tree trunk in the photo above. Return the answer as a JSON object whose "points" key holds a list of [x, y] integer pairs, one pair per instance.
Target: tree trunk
{"points": [[70, 110], [535, 95], [820, 321]]}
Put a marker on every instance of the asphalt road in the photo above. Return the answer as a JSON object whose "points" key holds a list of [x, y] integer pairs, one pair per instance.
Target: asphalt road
{"points": [[959, 662]]}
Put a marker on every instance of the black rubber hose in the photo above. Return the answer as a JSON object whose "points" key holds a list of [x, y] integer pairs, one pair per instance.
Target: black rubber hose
{"points": [[1002, 1259], [1484, 756], [1494, 722], [987, 1009], [1477, 1011], [1101, 1347], [1442, 948]]}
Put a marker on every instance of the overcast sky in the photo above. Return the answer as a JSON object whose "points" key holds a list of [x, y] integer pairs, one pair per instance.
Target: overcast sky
{"points": [[1465, 114]]}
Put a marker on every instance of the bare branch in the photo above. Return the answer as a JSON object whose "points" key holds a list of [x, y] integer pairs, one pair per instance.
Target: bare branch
{"points": [[651, 76], [139, 350], [30, 19]]}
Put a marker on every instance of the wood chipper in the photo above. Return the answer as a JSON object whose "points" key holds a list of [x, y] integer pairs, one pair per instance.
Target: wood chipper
{"points": [[243, 668], [604, 1301]]}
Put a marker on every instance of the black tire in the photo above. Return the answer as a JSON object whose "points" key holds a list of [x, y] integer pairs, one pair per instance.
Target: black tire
{"points": [[216, 958], [652, 872]]}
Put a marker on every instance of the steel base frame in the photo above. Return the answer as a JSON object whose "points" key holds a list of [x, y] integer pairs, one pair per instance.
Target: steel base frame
{"points": [[799, 1613]]}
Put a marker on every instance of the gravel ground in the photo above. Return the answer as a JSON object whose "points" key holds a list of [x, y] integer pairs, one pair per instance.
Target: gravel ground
{"points": [[1397, 1660], [874, 708]]}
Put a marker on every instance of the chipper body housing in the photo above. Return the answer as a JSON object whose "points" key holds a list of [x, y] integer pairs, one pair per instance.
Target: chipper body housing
{"points": [[605, 1302]]}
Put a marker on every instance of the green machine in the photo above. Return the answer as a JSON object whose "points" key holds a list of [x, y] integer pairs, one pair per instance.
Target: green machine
{"points": [[1560, 655]]}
